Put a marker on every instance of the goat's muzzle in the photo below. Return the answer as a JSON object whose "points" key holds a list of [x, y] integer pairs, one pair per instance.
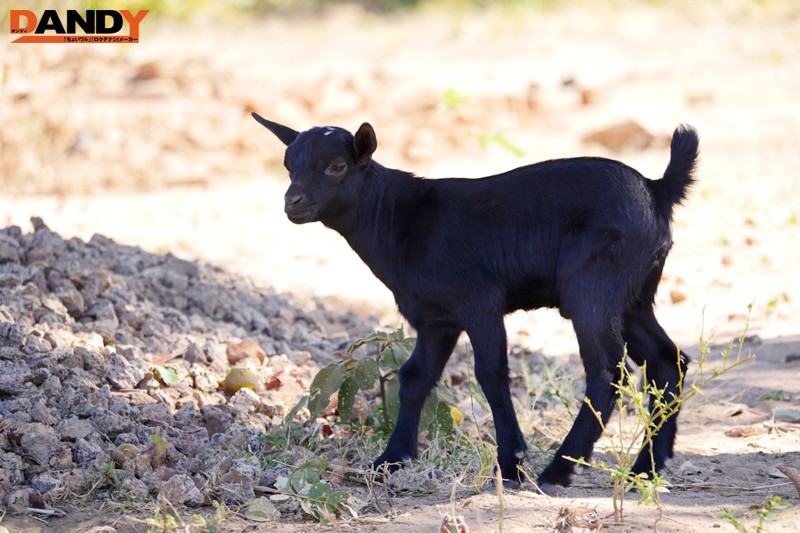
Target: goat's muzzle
{"points": [[298, 209]]}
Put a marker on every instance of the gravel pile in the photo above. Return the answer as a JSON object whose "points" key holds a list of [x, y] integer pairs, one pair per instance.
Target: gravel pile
{"points": [[103, 346]]}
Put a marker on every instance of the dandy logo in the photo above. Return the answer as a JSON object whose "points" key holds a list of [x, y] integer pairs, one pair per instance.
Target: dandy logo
{"points": [[95, 25]]}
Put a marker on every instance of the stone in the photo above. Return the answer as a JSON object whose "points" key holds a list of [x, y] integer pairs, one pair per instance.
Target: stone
{"points": [[73, 301], [180, 489], [39, 441], [136, 489], [34, 344], [246, 349], [13, 375], [261, 510], [45, 482], [8, 253], [122, 374], [90, 454], [246, 400]]}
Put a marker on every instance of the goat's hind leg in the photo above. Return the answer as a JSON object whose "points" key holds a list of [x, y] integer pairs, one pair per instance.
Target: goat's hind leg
{"points": [[601, 350], [665, 368], [417, 378]]}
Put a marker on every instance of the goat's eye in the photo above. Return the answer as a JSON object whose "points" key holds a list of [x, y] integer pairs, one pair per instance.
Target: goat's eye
{"points": [[336, 169]]}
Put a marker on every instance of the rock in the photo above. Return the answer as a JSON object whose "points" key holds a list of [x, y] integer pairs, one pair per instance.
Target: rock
{"points": [[34, 344], [787, 415], [216, 420], [81, 326], [111, 424], [45, 482], [246, 400], [194, 355], [13, 375], [11, 466], [8, 253], [39, 441], [688, 468], [89, 454], [181, 490], [261, 510], [247, 349], [73, 301], [136, 489], [122, 374]]}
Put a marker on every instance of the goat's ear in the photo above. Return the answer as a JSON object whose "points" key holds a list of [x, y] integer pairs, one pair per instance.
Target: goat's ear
{"points": [[285, 134], [364, 143]]}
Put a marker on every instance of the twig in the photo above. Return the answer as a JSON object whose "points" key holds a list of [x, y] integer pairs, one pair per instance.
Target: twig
{"points": [[46, 512], [711, 485]]}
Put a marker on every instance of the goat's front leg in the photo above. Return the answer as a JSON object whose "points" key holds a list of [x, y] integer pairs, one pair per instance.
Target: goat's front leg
{"points": [[417, 377], [491, 369]]}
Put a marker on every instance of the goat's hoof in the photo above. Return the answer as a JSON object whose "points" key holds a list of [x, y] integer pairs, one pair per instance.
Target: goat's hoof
{"points": [[389, 466], [552, 490], [508, 484]]}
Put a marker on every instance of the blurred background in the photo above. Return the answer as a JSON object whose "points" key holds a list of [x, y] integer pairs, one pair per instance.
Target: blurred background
{"points": [[152, 143]]}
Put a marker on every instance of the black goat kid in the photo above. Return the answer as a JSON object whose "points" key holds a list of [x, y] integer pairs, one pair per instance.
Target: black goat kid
{"points": [[586, 235]]}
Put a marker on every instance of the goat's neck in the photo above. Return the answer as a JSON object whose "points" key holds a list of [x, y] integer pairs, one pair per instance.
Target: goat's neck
{"points": [[371, 230]]}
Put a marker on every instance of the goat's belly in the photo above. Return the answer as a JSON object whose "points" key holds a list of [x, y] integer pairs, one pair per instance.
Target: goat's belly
{"points": [[531, 294]]}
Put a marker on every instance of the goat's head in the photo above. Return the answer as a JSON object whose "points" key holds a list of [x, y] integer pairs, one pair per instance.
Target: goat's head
{"points": [[326, 166]]}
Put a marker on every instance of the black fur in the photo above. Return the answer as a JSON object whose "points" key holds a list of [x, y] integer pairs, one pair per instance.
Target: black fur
{"points": [[588, 236]]}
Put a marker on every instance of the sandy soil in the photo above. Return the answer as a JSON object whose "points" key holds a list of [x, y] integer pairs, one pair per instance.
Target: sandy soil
{"points": [[151, 145]]}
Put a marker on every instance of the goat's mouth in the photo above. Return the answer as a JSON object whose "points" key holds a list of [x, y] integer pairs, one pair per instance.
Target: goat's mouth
{"points": [[300, 215]]}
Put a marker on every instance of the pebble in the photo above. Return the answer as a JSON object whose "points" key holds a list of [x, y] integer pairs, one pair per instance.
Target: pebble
{"points": [[82, 325]]}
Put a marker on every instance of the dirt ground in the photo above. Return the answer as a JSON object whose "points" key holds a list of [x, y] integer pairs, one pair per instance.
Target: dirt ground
{"points": [[151, 144]]}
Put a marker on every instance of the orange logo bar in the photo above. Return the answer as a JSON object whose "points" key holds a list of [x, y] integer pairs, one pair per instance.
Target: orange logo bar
{"points": [[96, 26]]}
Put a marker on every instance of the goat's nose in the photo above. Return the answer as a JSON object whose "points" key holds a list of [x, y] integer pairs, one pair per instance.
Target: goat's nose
{"points": [[293, 199]]}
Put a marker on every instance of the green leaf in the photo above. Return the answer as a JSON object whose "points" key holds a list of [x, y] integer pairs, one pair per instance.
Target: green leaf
{"points": [[337, 498], [446, 395], [444, 418], [388, 360], [500, 140], [257, 516], [326, 382], [289, 418], [396, 353], [392, 406], [398, 334], [378, 336], [319, 490], [427, 420], [165, 375], [347, 397], [367, 373], [404, 348]]}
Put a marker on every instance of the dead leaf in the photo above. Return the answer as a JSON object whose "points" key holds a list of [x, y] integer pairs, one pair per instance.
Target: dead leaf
{"points": [[742, 432]]}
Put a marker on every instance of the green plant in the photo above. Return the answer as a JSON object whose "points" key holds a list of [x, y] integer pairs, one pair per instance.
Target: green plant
{"points": [[634, 437], [108, 476], [352, 374], [764, 512], [307, 489], [500, 140], [167, 519]]}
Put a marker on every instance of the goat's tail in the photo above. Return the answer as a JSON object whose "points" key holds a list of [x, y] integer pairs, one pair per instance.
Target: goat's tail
{"points": [[674, 186]]}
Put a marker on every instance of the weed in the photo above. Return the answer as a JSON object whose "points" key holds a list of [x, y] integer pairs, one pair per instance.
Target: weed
{"points": [[763, 512], [500, 140], [167, 519], [351, 374], [307, 489], [632, 437]]}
